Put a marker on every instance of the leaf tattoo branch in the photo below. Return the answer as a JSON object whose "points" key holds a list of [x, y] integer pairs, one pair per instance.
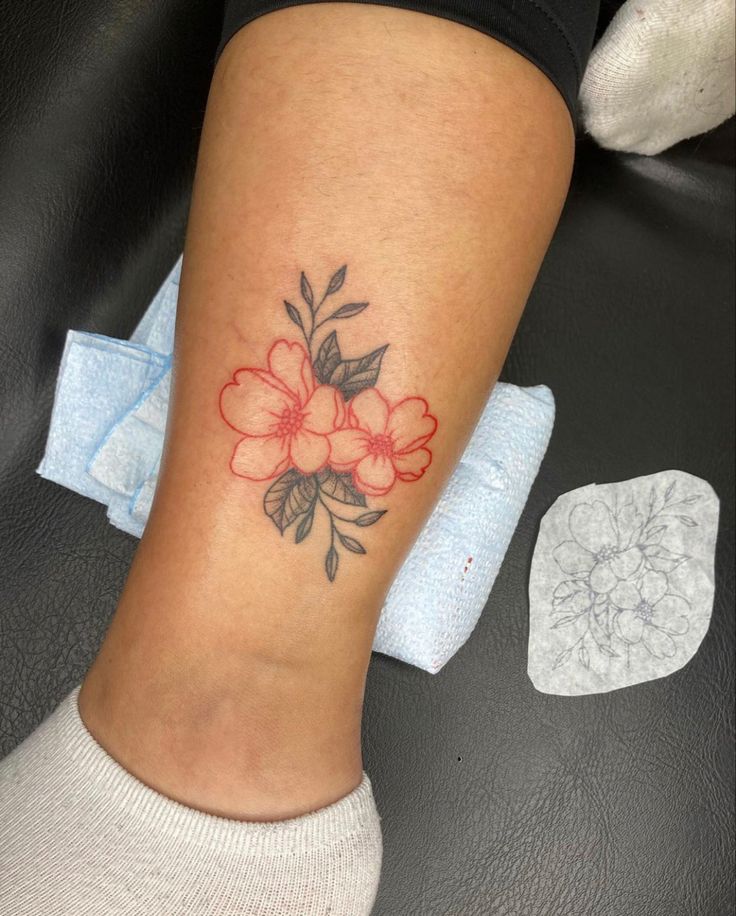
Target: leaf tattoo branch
{"points": [[315, 423]]}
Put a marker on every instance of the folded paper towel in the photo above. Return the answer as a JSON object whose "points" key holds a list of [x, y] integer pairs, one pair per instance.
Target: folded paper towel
{"points": [[105, 442]]}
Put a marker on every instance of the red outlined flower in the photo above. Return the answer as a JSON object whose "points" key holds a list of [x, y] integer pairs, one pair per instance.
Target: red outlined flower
{"points": [[300, 431], [284, 415], [383, 443]]}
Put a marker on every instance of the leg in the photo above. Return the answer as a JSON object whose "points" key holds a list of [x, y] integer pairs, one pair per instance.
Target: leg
{"points": [[433, 161]]}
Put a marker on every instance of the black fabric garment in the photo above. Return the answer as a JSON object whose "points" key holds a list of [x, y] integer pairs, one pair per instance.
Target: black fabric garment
{"points": [[556, 35]]}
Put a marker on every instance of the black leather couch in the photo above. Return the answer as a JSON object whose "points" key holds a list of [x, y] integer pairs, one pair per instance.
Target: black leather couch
{"points": [[495, 799]]}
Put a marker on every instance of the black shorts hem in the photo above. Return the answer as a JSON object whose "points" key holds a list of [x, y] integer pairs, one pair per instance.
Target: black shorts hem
{"points": [[556, 41]]}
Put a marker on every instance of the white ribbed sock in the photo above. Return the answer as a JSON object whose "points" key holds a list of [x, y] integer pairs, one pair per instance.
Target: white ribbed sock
{"points": [[80, 836], [662, 71]]}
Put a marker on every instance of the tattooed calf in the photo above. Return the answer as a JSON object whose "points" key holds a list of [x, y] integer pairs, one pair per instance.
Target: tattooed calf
{"points": [[316, 422]]}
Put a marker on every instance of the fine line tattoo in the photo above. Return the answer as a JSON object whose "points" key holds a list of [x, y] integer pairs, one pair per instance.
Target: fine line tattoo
{"points": [[316, 422]]}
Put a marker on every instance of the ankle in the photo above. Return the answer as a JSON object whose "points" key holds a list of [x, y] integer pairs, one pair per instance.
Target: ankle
{"points": [[256, 740]]}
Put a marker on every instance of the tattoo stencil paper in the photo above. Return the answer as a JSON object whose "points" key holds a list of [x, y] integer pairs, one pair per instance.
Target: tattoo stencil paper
{"points": [[316, 422]]}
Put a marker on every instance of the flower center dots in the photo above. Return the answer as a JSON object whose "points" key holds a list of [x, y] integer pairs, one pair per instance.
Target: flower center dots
{"points": [[606, 553], [381, 446], [290, 421], [645, 611]]}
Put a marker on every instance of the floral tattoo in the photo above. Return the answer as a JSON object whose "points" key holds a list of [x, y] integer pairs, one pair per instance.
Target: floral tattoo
{"points": [[316, 422]]}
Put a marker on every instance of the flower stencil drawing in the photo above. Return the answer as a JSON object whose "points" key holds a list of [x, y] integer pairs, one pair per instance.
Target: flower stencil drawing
{"points": [[622, 582], [649, 614], [599, 549], [619, 594]]}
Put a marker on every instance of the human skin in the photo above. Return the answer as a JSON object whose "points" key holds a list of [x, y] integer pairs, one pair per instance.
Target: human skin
{"points": [[431, 160]]}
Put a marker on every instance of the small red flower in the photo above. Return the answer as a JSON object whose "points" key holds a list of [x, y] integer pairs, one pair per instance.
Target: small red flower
{"points": [[383, 443], [284, 415]]}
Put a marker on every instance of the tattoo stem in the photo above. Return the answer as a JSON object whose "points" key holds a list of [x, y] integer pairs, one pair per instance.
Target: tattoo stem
{"points": [[308, 340], [320, 323], [332, 521], [332, 515], [314, 312], [341, 518], [315, 326]]}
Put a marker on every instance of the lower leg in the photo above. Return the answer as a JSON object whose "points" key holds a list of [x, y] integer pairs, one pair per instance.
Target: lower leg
{"points": [[433, 161]]}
